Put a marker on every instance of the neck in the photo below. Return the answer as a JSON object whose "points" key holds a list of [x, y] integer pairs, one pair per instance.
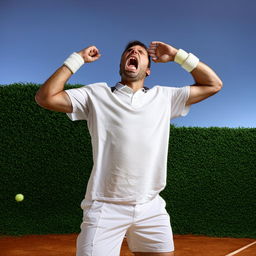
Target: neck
{"points": [[134, 85]]}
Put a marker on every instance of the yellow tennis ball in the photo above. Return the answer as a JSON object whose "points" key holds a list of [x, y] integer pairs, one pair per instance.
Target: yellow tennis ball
{"points": [[19, 197]]}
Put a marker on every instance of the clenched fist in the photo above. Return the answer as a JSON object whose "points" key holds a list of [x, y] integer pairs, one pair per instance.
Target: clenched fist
{"points": [[90, 54]]}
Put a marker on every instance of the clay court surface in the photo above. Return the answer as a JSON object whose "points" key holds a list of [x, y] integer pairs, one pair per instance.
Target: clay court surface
{"points": [[185, 245]]}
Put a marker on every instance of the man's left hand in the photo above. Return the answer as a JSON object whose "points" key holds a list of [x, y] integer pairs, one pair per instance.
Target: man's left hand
{"points": [[161, 52]]}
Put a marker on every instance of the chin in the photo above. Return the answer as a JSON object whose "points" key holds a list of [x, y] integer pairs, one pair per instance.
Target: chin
{"points": [[130, 76]]}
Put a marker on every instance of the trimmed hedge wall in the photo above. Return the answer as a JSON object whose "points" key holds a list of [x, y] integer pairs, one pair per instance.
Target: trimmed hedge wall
{"points": [[48, 158]]}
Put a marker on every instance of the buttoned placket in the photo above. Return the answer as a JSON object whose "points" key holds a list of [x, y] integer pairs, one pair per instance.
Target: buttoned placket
{"points": [[135, 98]]}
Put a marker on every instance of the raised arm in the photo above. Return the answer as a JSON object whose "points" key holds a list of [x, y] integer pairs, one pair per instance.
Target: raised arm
{"points": [[52, 95], [207, 83]]}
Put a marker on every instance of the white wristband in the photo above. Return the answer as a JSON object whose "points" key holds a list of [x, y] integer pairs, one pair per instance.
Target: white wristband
{"points": [[190, 63], [187, 60], [180, 56], [74, 62]]}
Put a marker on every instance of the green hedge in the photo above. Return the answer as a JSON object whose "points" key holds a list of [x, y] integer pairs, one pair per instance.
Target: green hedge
{"points": [[48, 158]]}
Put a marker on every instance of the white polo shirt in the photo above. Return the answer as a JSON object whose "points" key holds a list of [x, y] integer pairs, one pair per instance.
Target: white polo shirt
{"points": [[130, 137]]}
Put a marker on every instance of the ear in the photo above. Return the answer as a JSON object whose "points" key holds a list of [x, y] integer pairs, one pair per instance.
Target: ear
{"points": [[148, 72]]}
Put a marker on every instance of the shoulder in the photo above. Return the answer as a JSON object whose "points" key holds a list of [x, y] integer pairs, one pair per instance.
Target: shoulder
{"points": [[173, 92], [174, 89], [94, 87], [162, 89]]}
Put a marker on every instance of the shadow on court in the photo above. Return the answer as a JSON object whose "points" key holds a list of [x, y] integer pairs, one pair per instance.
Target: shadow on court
{"points": [[185, 245]]}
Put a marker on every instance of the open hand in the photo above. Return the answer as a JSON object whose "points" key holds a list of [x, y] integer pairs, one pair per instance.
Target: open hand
{"points": [[161, 52]]}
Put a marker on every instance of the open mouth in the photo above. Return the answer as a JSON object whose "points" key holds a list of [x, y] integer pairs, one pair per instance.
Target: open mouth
{"points": [[132, 63]]}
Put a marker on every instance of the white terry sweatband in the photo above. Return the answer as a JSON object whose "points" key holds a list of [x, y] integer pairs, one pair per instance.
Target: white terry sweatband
{"points": [[187, 60], [180, 56], [74, 62]]}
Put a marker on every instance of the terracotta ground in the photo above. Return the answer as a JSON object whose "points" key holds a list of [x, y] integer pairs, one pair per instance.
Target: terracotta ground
{"points": [[64, 245]]}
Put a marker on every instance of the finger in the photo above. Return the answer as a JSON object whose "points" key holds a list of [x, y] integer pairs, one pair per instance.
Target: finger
{"points": [[94, 49], [153, 55], [156, 42], [151, 51], [96, 57], [95, 52], [152, 46]]}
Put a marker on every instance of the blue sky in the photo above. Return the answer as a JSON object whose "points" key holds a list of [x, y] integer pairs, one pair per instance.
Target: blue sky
{"points": [[37, 36]]}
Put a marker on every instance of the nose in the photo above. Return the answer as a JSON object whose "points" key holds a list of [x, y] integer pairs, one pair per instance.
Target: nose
{"points": [[134, 51]]}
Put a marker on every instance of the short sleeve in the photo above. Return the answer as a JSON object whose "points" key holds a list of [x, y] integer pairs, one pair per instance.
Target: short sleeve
{"points": [[179, 97], [79, 100]]}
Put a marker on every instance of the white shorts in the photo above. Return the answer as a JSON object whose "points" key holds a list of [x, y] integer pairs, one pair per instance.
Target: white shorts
{"points": [[146, 226]]}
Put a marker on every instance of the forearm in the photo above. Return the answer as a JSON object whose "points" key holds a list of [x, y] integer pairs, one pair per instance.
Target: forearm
{"points": [[204, 75], [55, 83]]}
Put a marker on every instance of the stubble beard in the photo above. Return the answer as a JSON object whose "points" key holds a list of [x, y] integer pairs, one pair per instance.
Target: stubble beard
{"points": [[132, 76]]}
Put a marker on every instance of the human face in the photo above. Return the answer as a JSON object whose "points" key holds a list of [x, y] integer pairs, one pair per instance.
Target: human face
{"points": [[134, 63]]}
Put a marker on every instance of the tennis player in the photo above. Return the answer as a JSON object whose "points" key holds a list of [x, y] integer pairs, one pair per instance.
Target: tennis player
{"points": [[129, 124]]}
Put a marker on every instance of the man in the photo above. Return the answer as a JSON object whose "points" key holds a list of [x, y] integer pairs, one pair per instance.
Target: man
{"points": [[129, 126]]}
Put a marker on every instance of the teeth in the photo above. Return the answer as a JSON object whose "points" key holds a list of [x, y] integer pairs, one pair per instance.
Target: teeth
{"points": [[132, 66], [133, 58]]}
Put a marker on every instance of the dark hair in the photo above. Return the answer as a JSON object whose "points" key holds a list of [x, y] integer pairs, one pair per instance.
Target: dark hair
{"points": [[136, 42]]}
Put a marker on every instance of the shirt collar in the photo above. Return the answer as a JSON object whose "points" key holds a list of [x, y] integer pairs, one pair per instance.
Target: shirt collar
{"points": [[125, 88]]}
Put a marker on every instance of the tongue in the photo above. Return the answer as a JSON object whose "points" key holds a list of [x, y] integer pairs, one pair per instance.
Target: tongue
{"points": [[131, 67]]}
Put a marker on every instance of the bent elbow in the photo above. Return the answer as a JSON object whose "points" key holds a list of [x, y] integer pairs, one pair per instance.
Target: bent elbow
{"points": [[218, 86], [37, 99]]}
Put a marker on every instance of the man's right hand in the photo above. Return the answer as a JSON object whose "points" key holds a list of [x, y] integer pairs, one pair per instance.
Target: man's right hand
{"points": [[90, 54], [52, 95]]}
